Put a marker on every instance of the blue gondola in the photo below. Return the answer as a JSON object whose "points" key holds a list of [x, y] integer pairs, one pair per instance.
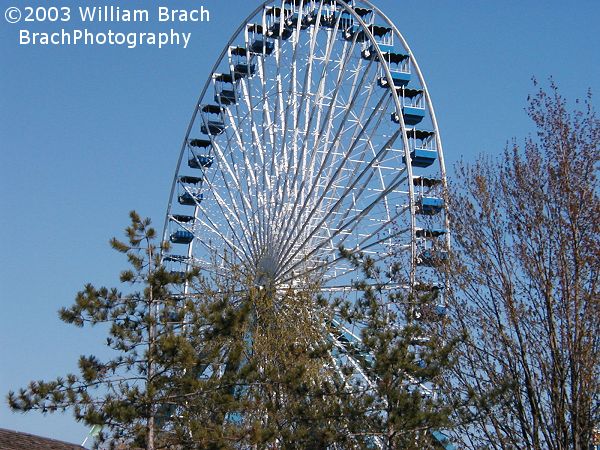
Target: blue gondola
{"points": [[432, 258], [430, 232], [262, 47], [399, 79], [399, 71], [200, 161], [429, 206], [225, 97], [181, 237], [182, 218], [190, 199], [422, 157], [244, 70], [213, 127], [241, 67], [443, 440], [412, 114], [384, 43]]}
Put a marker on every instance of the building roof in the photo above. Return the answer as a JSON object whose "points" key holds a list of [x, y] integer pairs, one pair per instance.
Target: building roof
{"points": [[15, 440]]}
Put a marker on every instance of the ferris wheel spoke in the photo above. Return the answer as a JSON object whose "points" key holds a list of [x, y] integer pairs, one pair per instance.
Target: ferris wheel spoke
{"points": [[289, 106], [248, 97], [289, 155], [300, 188], [244, 216], [279, 146], [304, 95], [258, 165], [357, 192], [382, 256], [293, 262], [342, 165], [291, 225], [262, 150], [232, 217], [322, 139], [353, 222], [288, 194], [353, 94], [251, 208], [251, 167], [356, 134], [319, 267], [351, 103], [319, 104], [223, 208], [304, 106], [349, 189], [365, 245], [217, 230], [232, 166], [298, 229], [263, 120]]}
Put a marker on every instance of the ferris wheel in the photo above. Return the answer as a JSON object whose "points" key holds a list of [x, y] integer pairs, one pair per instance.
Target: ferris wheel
{"points": [[314, 132]]}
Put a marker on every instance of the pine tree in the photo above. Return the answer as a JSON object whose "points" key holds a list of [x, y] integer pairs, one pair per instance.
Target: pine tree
{"points": [[404, 354], [133, 394]]}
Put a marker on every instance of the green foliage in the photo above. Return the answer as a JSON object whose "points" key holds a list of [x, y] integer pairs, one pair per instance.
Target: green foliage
{"points": [[231, 365], [398, 404], [124, 393], [262, 376]]}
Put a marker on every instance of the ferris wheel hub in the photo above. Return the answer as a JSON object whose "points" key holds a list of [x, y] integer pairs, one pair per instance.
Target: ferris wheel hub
{"points": [[266, 268]]}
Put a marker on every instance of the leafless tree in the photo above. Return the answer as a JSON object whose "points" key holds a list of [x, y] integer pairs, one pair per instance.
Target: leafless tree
{"points": [[524, 278]]}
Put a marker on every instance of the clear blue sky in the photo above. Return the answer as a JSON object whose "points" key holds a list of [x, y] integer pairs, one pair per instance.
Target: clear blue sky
{"points": [[88, 133]]}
